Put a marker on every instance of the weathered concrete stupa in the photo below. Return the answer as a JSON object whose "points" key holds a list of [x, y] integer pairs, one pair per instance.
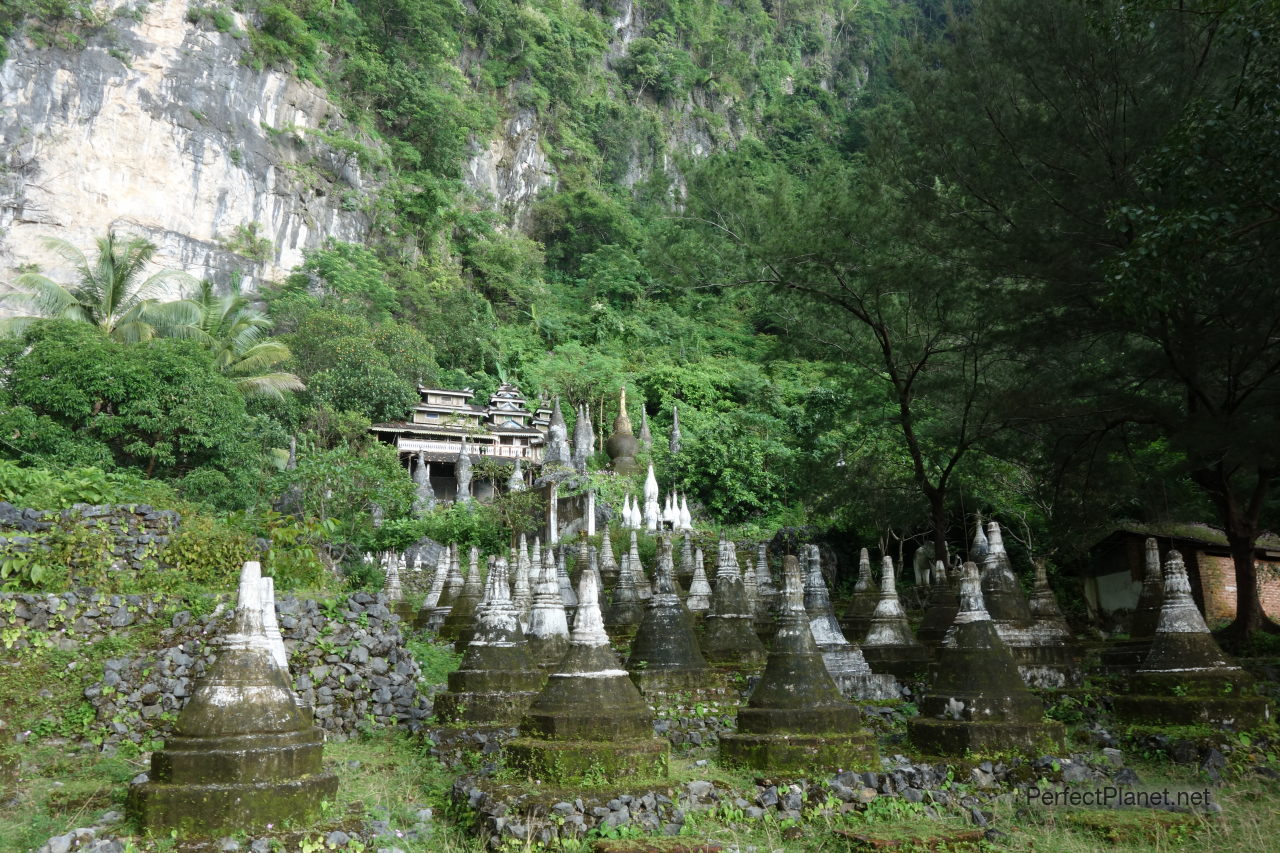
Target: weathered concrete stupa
{"points": [[498, 677], [590, 718], [941, 609], [889, 646], [458, 624], [548, 632], [243, 754], [1186, 679], [622, 445], [453, 584], [729, 635], [845, 663], [664, 654], [625, 613], [1125, 656], [796, 721], [857, 619], [699, 599], [608, 562], [978, 701], [1045, 658]]}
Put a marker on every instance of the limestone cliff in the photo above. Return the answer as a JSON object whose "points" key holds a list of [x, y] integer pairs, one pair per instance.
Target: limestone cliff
{"points": [[157, 128]]}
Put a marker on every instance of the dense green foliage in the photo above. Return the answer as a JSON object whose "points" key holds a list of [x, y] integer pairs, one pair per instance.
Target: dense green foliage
{"points": [[894, 262]]}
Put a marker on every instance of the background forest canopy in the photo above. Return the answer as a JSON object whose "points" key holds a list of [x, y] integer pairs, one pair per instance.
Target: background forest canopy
{"points": [[1010, 256]]}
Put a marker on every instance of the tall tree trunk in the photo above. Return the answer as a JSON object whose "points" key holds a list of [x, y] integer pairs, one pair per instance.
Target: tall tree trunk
{"points": [[1240, 521]]}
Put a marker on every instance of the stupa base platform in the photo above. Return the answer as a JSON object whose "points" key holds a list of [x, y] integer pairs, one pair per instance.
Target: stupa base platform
{"points": [[956, 737], [1122, 657], [1221, 697], [868, 687], [460, 743], [659, 686], [405, 612], [213, 809], [908, 664], [569, 760], [240, 759], [801, 754], [1049, 667], [484, 708]]}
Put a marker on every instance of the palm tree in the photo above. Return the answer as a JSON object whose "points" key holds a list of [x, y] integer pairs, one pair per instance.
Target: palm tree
{"points": [[236, 335], [110, 292]]}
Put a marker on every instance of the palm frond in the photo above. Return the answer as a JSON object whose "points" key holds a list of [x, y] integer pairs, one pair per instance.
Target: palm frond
{"points": [[43, 295], [133, 332], [258, 357], [269, 385]]}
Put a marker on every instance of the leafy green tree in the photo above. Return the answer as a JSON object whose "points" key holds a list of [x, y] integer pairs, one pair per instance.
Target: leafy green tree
{"points": [[161, 406], [110, 292], [1099, 162]]}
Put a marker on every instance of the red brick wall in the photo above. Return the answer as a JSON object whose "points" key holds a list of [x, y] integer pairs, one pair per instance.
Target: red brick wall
{"points": [[1218, 584]]}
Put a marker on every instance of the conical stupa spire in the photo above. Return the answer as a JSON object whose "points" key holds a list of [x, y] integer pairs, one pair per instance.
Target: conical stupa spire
{"points": [[844, 661], [730, 635], [548, 632], [1146, 616], [1005, 599], [857, 619], [699, 599]]}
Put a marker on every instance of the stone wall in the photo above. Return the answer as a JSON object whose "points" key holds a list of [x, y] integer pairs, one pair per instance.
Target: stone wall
{"points": [[136, 531], [348, 658]]}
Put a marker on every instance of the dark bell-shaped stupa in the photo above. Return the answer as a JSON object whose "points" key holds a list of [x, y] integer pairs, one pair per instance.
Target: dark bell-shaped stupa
{"points": [[622, 445], [243, 754], [978, 701], [664, 654], [590, 718], [498, 677], [866, 595], [796, 721], [1186, 679], [729, 635]]}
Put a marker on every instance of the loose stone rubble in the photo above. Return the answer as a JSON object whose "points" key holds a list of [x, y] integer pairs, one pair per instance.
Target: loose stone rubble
{"points": [[844, 660], [245, 754], [978, 701], [796, 721]]}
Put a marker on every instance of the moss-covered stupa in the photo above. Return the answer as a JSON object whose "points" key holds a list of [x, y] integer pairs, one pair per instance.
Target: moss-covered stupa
{"points": [[243, 754], [462, 613], [498, 678], [625, 612], [845, 663], [729, 635], [608, 562], [889, 646], [796, 721], [665, 657], [548, 632], [644, 587], [978, 702], [522, 581], [1186, 678], [857, 618], [567, 595], [941, 608], [1125, 656], [426, 613], [589, 719], [1046, 658], [453, 585], [698, 601]]}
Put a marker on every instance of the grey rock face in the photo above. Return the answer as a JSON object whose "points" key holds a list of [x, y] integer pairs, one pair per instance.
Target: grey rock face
{"points": [[222, 142]]}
